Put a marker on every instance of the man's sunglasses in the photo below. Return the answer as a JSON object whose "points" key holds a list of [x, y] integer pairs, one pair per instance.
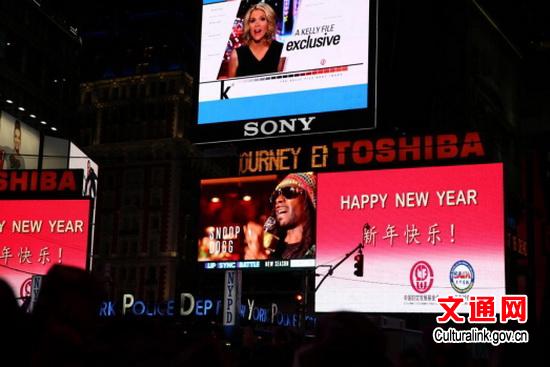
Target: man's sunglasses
{"points": [[289, 192]]}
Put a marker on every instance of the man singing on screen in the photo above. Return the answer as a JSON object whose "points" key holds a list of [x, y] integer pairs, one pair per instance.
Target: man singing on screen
{"points": [[290, 232]]}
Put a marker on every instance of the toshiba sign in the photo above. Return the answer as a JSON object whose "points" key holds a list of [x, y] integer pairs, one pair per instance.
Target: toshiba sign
{"points": [[362, 152], [39, 182]]}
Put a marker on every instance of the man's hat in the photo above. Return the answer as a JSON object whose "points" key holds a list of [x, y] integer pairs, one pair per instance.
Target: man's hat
{"points": [[306, 181]]}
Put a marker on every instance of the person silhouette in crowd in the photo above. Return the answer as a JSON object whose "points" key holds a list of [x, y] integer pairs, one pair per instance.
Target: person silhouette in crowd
{"points": [[344, 339], [14, 329], [65, 317]]}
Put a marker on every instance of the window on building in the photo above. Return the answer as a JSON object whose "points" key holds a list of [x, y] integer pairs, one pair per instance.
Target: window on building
{"points": [[154, 243], [107, 223], [132, 276], [157, 176], [153, 89], [172, 86], [123, 246], [133, 247], [162, 88], [122, 275], [155, 197], [134, 177], [105, 244], [87, 98], [154, 222]]}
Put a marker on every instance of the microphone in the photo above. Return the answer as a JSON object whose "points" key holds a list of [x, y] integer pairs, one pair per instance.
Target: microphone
{"points": [[269, 238]]}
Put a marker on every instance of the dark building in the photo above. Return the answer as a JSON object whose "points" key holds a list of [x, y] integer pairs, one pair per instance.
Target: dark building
{"points": [[135, 111], [148, 180], [39, 71]]}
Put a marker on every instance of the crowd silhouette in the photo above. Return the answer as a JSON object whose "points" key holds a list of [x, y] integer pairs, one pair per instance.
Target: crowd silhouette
{"points": [[64, 329]]}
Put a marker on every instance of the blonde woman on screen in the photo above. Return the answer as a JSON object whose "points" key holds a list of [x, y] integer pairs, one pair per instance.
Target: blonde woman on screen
{"points": [[260, 53]]}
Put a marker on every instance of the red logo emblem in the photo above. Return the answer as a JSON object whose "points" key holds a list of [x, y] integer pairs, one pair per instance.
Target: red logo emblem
{"points": [[422, 277], [26, 288]]}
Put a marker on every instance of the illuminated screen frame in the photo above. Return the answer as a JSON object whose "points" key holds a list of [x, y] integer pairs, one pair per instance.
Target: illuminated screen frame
{"points": [[229, 207], [19, 278], [321, 108], [417, 246]]}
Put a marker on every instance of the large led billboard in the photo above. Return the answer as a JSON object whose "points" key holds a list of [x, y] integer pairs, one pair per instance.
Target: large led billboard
{"points": [[19, 144], [258, 222], [36, 234], [427, 233], [285, 66]]}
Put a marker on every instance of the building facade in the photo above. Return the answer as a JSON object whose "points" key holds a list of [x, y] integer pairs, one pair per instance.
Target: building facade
{"points": [[134, 128]]}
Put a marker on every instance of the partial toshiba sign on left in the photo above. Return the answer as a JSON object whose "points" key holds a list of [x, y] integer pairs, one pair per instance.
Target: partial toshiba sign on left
{"points": [[37, 234]]}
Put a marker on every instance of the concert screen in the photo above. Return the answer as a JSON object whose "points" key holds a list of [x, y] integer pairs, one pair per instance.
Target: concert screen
{"points": [[263, 222], [36, 234], [279, 66], [427, 233]]}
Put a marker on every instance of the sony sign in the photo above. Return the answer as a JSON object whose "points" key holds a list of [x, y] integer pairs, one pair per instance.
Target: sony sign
{"points": [[282, 126]]}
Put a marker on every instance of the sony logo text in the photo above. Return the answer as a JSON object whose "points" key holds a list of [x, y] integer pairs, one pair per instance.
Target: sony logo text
{"points": [[271, 127]]}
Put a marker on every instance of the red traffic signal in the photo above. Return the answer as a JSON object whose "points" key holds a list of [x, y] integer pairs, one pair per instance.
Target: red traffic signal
{"points": [[358, 265]]}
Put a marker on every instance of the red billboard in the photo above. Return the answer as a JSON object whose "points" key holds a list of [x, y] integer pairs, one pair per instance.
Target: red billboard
{"points": [[36, 234], [427, 233]]}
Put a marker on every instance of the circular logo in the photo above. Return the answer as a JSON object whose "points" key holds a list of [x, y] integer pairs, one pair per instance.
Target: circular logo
{"points": [[25, 289], [422, 277], [462, 276]]}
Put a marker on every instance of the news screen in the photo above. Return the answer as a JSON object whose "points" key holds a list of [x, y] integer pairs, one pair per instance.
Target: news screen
{"points": [[427, 233], [317, 60], [36, 234], [263, 222]]}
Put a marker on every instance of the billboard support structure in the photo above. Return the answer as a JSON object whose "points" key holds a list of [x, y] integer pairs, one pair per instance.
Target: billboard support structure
{"points": [[304, 309]]}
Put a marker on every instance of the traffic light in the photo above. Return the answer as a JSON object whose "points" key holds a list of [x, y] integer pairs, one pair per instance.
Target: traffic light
{"points": [[299, 301], [300, 310], [358, 265]]}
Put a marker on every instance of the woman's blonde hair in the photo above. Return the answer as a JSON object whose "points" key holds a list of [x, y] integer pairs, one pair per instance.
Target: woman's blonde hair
{"points": [[270, 17]]}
